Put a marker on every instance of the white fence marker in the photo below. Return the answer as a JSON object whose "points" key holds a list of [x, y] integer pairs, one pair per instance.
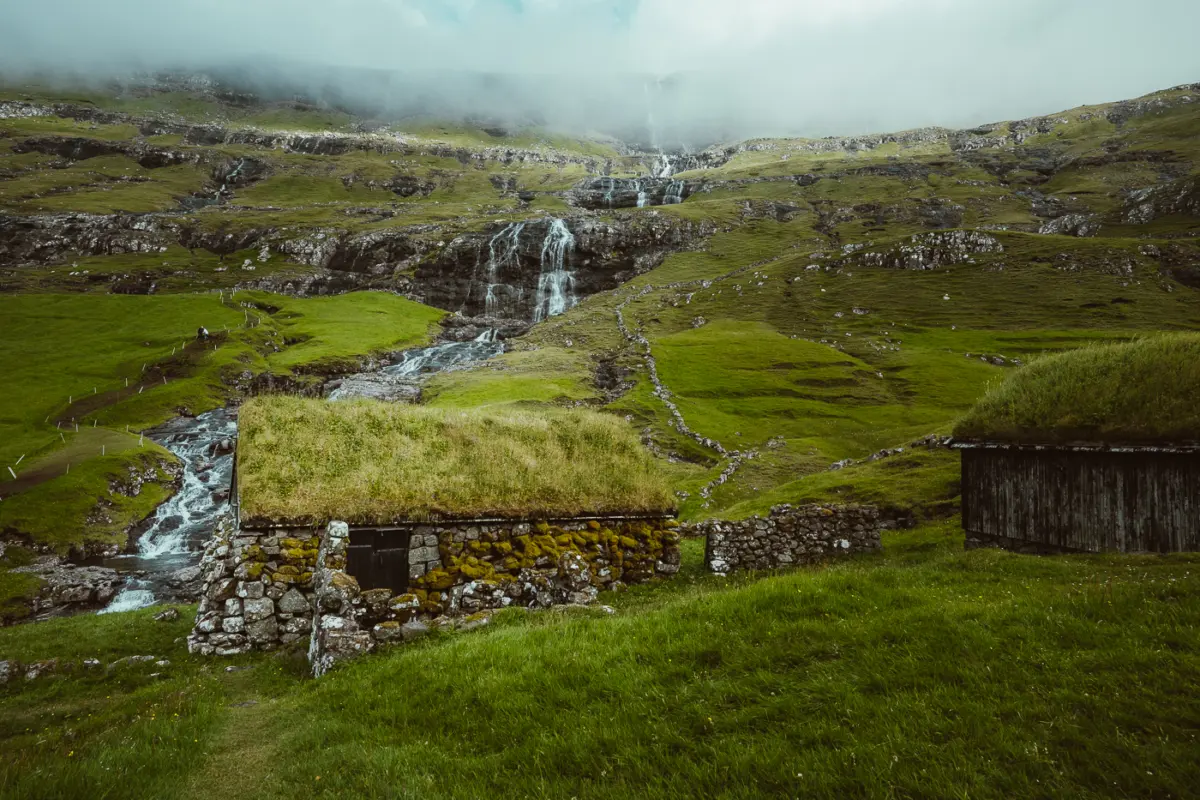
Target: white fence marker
{"points": [[19, 460], [10, 472]]}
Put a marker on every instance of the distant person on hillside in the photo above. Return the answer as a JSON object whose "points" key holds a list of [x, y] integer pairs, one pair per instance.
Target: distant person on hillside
{"points": [[202, 334]]}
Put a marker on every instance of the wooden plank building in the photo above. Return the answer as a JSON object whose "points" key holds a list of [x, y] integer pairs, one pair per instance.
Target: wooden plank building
{"points": [[1081, 498]]}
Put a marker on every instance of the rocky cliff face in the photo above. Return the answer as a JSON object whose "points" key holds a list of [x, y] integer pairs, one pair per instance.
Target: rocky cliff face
{"points": [[605, 193], [504, 269]]}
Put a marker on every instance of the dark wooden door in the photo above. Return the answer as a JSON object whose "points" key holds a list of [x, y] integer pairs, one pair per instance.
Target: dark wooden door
{"points": [[378, 559]]}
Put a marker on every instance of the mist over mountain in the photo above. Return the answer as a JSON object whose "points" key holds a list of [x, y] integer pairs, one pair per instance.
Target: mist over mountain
{"points": [[666, 72]]}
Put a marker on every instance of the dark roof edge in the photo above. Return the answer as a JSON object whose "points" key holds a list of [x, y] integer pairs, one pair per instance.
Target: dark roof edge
{"points": [[1078, 447]]}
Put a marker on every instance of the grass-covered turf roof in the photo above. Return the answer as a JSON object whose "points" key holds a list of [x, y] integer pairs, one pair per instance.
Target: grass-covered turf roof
{"points": [[1145, 391], [374, 463]]}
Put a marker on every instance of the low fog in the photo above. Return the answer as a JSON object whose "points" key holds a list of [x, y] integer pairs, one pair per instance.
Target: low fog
{"points": [[660, 72]]}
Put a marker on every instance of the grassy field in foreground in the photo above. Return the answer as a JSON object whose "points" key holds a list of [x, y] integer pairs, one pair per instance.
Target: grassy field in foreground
{"points": [[924, 671]]}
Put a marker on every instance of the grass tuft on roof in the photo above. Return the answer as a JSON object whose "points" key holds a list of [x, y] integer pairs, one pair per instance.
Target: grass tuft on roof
{"points": [[1145, 391], [366, 462]]}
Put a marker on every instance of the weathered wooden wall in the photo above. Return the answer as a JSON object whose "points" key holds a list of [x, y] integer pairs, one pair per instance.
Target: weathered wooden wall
{"points": [[1082, 500]]}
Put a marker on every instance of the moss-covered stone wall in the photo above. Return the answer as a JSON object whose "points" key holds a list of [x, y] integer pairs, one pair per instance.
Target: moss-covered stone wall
{"points": [[267, 588]]}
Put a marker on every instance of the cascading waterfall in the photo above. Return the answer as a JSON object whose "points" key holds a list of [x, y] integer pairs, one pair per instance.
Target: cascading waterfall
{"points": [[642, 199], [674, 193], [191, 513], [503, 251], [556, 284]]}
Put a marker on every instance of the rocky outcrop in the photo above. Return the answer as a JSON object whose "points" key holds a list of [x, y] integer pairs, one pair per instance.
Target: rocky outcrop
{"points": [[68, 588], [401, 185], [929, 251], [375, 253], [456, 328], [1083, 225], [78, 148], [1143, 206], [54, 238], [1120, 113]]}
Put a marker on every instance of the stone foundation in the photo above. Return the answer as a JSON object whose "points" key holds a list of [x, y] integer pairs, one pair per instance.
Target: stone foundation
{"points": [[789, 537]]}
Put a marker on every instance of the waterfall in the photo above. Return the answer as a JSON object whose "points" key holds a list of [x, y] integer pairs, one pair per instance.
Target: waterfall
{"points": [[664, 167], [503, 251], [237, 170], [556, 284], [674, 194], [642, 200], [611, 188]]}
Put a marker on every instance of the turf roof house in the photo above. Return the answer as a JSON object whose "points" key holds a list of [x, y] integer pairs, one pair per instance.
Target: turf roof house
{"points": [[1088, 451], [359, 523]]}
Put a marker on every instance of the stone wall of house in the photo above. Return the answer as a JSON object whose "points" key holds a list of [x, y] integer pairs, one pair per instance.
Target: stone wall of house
{"points": [[263, 589], [789, 536], [258, 587], [460, 573]]}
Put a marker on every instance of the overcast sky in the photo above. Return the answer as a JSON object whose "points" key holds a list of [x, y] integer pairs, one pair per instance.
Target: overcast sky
{"points": [[753, 67]]}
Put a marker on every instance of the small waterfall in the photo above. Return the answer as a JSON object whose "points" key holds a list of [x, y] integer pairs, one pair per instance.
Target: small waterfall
{"points": [[427, 360], [610, 185], [136, 593], [642, 199], [674, 193], [237, 170], [503, 252], [556, 284]]}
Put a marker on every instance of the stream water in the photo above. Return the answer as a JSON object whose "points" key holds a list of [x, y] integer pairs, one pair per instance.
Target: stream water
{"points": [[428, 360], [174, 535]]}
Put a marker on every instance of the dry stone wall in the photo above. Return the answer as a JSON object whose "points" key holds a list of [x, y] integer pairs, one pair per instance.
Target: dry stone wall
{"points": [[258, 588], [789, 536]]}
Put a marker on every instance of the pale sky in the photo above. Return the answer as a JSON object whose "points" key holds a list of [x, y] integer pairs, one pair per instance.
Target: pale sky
{"points": [[745, 67]]}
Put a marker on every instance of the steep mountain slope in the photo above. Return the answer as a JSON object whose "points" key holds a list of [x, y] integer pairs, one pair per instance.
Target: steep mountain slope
{"points": [[759, 311]]}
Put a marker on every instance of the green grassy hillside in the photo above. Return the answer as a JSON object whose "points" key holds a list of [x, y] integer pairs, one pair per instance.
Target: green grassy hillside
{"points": [[794, 332]]}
